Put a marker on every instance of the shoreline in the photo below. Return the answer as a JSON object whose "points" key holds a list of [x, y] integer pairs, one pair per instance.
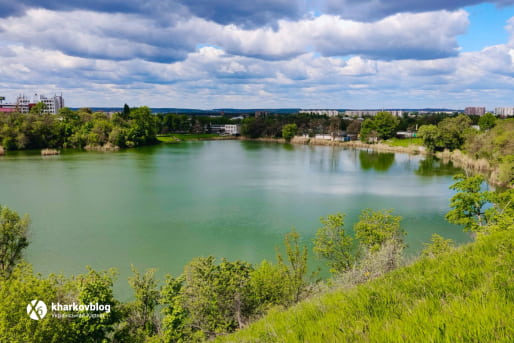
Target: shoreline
{"points": [[457, 157], [413, 149]]}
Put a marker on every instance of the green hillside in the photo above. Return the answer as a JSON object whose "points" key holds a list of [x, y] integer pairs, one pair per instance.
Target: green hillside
{"points": [[465, 295]]}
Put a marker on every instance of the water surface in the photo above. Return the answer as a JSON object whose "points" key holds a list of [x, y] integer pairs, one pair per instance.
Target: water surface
{"points": [[162, 206]]}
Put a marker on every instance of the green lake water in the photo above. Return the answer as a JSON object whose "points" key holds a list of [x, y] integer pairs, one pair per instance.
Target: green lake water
{"points": [[161, 206]]}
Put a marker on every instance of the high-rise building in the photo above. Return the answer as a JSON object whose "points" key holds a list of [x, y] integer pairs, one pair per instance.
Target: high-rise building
{"points": [[477, 111], [362, 113], [330, 113], [504, 111], [52, 104]]}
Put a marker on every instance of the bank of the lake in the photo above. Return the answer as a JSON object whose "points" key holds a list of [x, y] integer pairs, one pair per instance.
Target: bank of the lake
{"points": [[160, 206]]}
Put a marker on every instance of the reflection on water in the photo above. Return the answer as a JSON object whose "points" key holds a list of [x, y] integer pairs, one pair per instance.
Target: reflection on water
{"points": [[162, 206], [432, 166], [376, 160]]}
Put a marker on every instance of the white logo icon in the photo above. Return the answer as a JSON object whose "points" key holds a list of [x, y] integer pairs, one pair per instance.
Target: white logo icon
{"points": [[36, 309]]}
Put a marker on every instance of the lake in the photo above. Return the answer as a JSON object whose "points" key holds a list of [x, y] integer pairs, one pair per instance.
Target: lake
{"points": [[161, 206]]}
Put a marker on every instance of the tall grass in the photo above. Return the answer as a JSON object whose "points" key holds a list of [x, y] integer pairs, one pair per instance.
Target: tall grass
{"points": [[466, 295]]}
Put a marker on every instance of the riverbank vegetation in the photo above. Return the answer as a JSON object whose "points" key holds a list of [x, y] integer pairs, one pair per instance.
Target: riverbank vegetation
{"points": [[77, 129], [490, 149], [367, 298]]}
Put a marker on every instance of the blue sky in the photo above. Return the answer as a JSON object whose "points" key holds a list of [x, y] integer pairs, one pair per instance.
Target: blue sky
{"points": [[260, 54]]}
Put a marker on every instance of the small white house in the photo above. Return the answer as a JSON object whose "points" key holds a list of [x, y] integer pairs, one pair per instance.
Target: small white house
{"points": [[232, 129]]}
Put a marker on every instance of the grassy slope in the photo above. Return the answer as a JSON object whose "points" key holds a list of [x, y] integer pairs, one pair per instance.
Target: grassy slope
{"points": [[404, 142], [176, 137], [463, 296]]}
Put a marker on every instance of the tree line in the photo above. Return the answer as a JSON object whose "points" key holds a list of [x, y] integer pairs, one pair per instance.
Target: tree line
{"points": [[212, 298], [77, 129]]}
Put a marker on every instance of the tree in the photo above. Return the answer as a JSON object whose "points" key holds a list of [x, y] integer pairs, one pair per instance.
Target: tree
{"points": [[95, 287], [175, 323], [333, 244], [452, 131], [38, 108], [377, 227], [142, 320], [487, 121], [13, 239], [386, 124], [354, 127], [217, 296], [125, 114], [368, 131], [500, 216], [430, 136], [289, 131], [468, 205], [268, 286], [295, 266]]}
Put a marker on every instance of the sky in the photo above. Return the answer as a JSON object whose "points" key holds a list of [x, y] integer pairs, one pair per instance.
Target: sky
{"points": [[204, 54]]}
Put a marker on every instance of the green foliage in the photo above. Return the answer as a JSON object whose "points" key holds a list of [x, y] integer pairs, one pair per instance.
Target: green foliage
{"points": [[466, 295], [95, 287], [141, 321], [267, 286], [468, 205], [295, 266], [334, 244], [405, 142], [500, 217], [487, 121], [497, 146], [38, 108], [15, 293], [438, 246], [369, 131], [450, 133], [253, 127], [289, 131], [216, 295], [77, 129], [377, 227], [382, 126], [430, 136], [175, 322], [13, 239], [23, 286], [386, 124]]}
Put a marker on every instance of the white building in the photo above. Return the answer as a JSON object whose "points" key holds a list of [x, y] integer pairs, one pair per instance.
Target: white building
{"points": [[232, 129], [330, 113], [52, 104], [362, 113], [504, 111]]}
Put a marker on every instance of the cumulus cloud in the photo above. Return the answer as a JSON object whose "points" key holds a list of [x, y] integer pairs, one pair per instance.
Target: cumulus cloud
{"points": [[247, 13], [98, 35], [370, 10], [108, 36], [242, 54]]}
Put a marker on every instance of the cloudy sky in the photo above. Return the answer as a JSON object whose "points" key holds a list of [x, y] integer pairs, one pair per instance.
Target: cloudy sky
{"points": [[260, 53]]}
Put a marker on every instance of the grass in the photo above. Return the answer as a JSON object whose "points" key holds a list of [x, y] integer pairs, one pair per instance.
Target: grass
{"points": [[177, 137], [466, 295], [405, 142]]}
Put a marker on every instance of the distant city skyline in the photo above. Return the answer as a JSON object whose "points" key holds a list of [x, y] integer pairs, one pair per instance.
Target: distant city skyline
{"points": [[322, 54]]}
